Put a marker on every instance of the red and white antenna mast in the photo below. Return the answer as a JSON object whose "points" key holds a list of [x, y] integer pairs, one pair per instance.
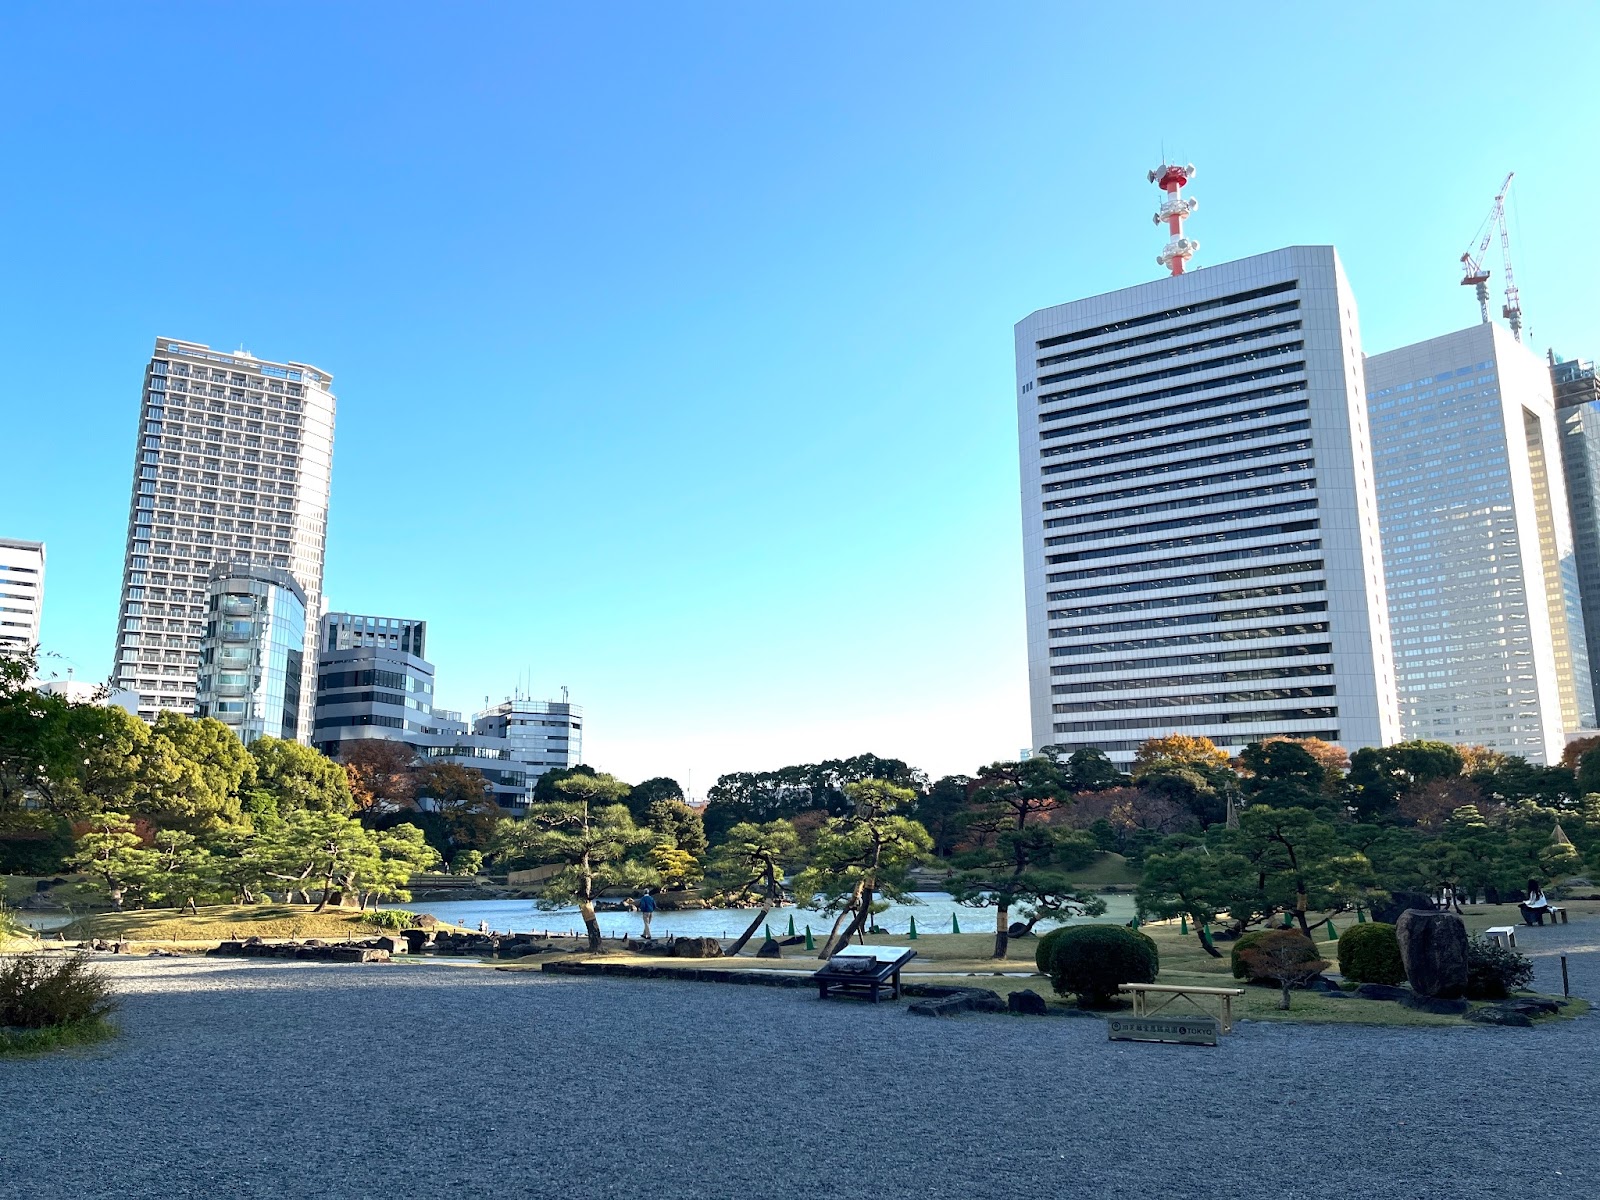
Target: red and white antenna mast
{"points": [[1175, 210]]}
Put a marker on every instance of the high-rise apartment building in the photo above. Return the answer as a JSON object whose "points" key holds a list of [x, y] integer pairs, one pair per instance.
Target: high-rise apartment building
{"points": [[232, 465], [21, 594], [1577, 396], [1200, 530], [1484, 605], [252, 652]]}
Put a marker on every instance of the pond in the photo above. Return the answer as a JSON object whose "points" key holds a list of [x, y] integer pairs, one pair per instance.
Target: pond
{"points": [[932, 912]]}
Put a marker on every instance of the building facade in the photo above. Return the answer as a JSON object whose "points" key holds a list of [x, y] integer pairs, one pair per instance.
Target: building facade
{"points": [[232, 464], [544, 734], [1200, 535], [1478, 555], [370, 680], [1577, 396], [252, 652], [21, 594]]}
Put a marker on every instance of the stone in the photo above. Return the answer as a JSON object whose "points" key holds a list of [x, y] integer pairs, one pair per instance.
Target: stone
{"points": [[1390, 911], [1530, 1007], [1433, 947], [769, 949], [1496, 1015], [697, 947], [1381, 991], [1027, 1002], [393, 945], [1018, 929], [1436, 1005], [416, 939], [1323, 984], [967, 1000]]}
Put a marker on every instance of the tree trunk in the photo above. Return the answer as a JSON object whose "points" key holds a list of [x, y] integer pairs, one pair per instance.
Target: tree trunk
{"points": [[1205, 941], [1284, 1003], [116, 894], [1002, 929], [591, 923], [738, 943]]}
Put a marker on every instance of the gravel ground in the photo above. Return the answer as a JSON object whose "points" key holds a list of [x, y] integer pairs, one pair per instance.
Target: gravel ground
{"points": [[242, 1079]]}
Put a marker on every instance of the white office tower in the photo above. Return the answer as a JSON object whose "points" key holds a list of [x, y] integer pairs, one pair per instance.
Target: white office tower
{"points": [[232, 466], [1483, 589], [21, 594], [1200, 529]]}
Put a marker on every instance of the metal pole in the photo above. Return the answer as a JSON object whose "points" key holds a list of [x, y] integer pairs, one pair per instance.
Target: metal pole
{"points": [[1565, 989]]}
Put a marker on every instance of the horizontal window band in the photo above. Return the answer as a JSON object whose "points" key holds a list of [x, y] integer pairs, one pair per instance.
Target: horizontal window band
{"points": [[1189, 720], [1221, 439], [1170, 314], [1178, 622], [1164, 682], [1171, 352], [1225, 535], [1300, 629], [1166, 411], [1255, 453], [1168, 335], [1196, 700], [1272, 589], [1199, 368], [1133, 568]]}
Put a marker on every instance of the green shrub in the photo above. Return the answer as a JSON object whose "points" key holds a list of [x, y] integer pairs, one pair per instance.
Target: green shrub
{"points": [[1495, 971], [1371, 954], [1092, 961], [1046, 948], [391, 918], [37, 992]]}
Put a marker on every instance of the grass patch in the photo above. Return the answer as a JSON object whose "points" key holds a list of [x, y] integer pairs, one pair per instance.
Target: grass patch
{"points": [[55, 1037], [1109, 870], [221, 922]]}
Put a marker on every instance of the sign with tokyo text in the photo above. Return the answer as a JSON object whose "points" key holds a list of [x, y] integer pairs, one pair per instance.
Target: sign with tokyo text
{"points": [[1182, 1031]]}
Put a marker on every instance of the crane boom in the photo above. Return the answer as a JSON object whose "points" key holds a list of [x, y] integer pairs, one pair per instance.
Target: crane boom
{"points": [[1475, 276]]}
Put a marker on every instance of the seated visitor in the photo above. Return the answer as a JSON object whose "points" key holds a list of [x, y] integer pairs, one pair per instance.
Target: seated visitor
{"points": [[1536, 905]]}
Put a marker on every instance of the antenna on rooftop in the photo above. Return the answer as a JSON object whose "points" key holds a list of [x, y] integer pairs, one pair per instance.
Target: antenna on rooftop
{"points": [[1175, 210]]}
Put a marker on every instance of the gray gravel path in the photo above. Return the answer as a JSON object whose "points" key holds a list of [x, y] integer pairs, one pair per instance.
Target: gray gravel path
{"points": [[239, 1079]]}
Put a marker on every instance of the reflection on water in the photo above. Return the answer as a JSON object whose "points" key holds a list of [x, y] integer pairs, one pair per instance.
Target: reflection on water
{"points": [[932, 914], [43, 922]]}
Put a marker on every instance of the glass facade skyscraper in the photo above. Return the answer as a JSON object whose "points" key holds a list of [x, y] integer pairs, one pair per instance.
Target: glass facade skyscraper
{"points": [[1577, 395], [1484, 600], [252, 652], [232, 464]]}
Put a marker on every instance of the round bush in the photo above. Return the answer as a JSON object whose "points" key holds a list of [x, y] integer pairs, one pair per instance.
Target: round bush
{"points": [[1045, 950], [1092, 961], [1495, 971], [1371, 954], [1241, 968]]}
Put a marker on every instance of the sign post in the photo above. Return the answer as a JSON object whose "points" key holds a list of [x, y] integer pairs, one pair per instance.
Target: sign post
{"points": [[1179, 1031]]}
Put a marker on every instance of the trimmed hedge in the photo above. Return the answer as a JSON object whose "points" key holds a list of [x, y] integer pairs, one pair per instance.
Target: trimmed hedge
{"points": [[1371, 954], [1092, 961]]}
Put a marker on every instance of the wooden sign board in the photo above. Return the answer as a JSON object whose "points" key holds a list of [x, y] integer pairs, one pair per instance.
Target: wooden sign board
{"points": [[1182, 1031]]}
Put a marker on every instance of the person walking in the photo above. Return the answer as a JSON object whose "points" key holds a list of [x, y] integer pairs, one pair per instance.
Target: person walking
{"points": [[647, 909]]}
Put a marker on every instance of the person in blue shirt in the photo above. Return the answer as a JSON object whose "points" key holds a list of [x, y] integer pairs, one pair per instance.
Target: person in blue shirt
{"points": [[647, 907]]}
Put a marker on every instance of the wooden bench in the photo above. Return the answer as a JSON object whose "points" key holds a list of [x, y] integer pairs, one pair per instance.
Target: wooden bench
{"points": [[1495, 932], [863, 971], [1557, 914], [1167, 993]]}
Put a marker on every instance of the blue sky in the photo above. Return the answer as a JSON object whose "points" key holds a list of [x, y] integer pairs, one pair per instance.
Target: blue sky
{"points": [[673, 342]]}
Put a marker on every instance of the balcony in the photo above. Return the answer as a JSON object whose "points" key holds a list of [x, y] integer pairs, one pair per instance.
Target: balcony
{"points": [[238, 607], [238, 631]]}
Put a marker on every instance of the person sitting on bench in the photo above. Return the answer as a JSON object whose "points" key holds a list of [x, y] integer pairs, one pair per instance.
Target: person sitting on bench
{"points": [[1536, 906]]}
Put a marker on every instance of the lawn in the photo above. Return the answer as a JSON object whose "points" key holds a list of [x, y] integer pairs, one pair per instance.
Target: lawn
{"points": [[963, 960], [220, 922]]}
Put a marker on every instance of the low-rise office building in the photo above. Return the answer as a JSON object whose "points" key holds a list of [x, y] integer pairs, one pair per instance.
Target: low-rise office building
{"points": [[21, 594]]}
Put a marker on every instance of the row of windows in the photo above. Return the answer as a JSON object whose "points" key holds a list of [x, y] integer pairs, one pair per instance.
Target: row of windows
{"points": [[398, 680], [1211, 364], [1188, 560], [362, 719], [1189, 720], [1220, 439], [1187, 639], [1193, 464], [1286, 671], [1276, 589], [1150, 585], [1185, 310], [1220, 343], [1221, 400], [1166, 335], [1233, 514], [1177, 622], [1120, 514], [1198, 699], [1183, 485], [1224, 740], [1165, 431], [1195, 539], [398, 699]]}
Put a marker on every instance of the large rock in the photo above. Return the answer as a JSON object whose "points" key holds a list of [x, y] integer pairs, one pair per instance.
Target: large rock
{"points": [[1390, 911], [1028, 1002], [1433, 947], [1500, 1016], [1381, 991], [769, 949], [697, 947], [1435, 1005]]}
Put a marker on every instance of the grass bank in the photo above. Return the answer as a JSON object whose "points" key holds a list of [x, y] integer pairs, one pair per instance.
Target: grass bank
{"points": [[55, 1037], [214, 923]]}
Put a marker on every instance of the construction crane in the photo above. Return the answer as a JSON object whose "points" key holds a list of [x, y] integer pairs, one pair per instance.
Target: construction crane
{"points": [[1474, 274]]}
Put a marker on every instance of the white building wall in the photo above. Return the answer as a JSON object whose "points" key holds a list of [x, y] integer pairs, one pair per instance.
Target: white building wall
{"points": [[1482, 592], [1200, 539], [21, 594]]}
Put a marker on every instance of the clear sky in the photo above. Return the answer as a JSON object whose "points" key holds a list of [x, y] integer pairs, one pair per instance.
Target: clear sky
{"points": [[673, 341]]}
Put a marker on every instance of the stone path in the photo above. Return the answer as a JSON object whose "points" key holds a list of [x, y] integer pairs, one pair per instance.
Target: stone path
{"points": [[247, 1079]]}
